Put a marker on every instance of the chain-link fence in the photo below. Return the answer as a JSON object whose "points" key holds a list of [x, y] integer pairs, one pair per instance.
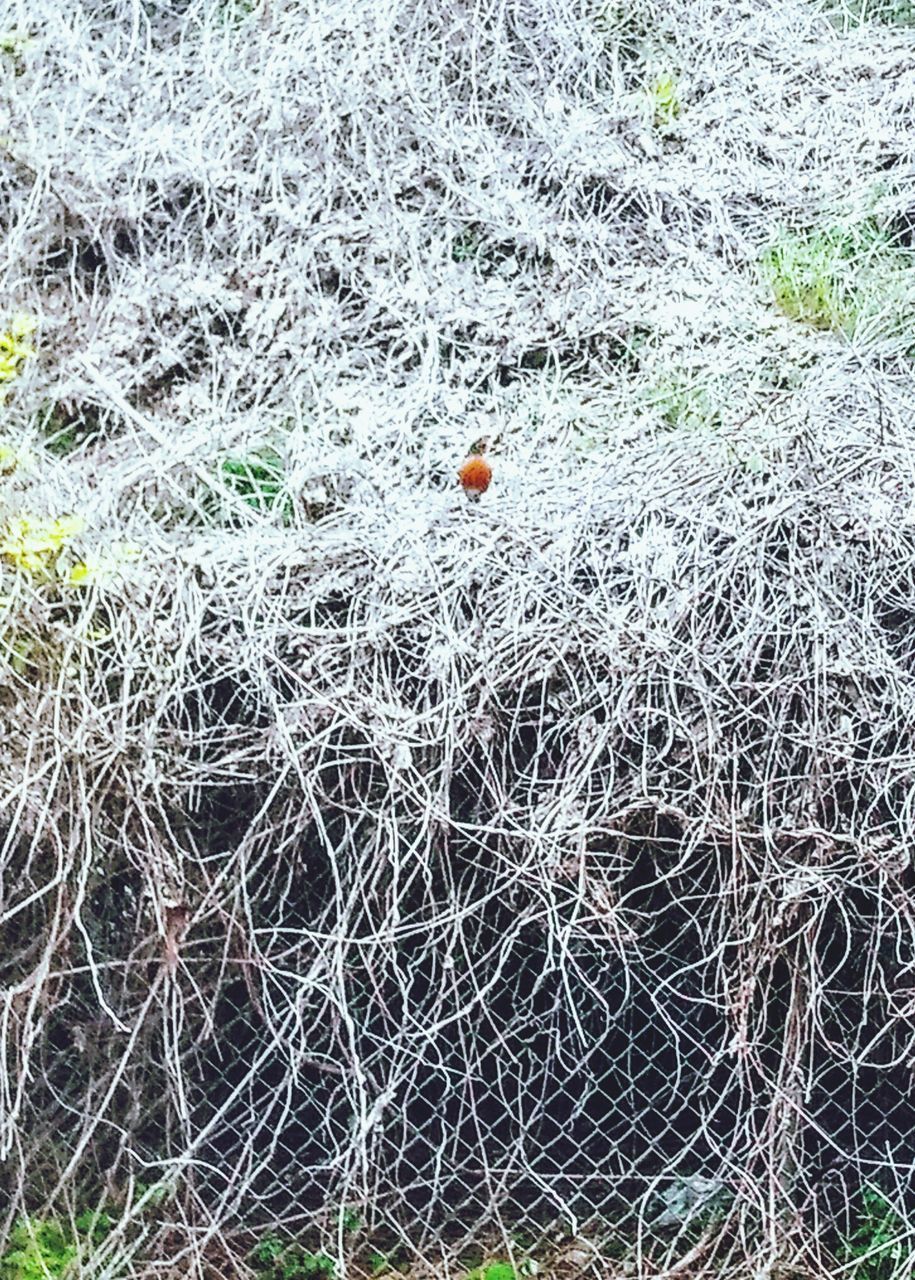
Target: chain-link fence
{"points": [[642, 1056]]}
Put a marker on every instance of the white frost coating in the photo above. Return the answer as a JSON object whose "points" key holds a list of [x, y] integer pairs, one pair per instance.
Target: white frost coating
{"points": [[363, 235]]}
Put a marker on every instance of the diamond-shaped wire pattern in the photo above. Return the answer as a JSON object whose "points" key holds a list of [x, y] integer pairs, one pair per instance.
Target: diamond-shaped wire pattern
{"points": [[529, 1066]]}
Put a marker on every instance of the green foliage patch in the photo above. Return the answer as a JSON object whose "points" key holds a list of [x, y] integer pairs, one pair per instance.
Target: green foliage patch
{"points": [[686, 402], [879, 1244], [499, 1270], [37, 1251], [66, 428], [259, 481], [279, 1259], [840, 277], [893, 13], [43, 1249], [665, 98]]}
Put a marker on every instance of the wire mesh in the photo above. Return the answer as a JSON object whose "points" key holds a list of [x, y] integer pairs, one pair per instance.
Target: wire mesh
{"points": [[590, 1056]]}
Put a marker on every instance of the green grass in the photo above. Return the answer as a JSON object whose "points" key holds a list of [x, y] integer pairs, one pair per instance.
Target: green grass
{"points": [[493, 1271], [488, 255], [839, 278], [350, 1220], [468, 245], [625, 27], [382, 1262], [501, 1270]]}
